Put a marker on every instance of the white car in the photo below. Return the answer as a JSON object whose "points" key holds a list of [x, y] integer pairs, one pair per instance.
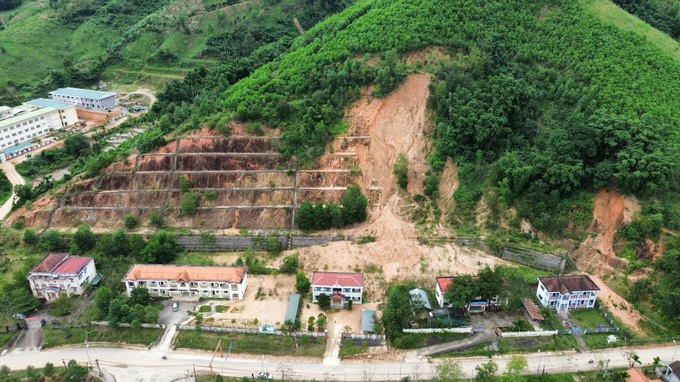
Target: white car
{"points": [[265, 375], [19, 316]]}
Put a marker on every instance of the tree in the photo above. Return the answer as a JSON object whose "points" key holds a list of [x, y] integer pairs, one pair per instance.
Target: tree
{"points": [[116, 313], [190, 201], [48, 370], [30, 237], [6, 5], [155, 220], [75, 372], [310, 323], [517, 364], [139, 296], [137, 244], [62, 305], [305, 216], [102, 300], [321, 322], [274, 246], [324, 301], [400, 170], [161, 249], [354, 205], [289, 264], [76, 144], [632, 357], [486, 371], [51, 241], [130, 221], [450, 370], [302, 283], [184, 184], [116, 244], [84, 238]]}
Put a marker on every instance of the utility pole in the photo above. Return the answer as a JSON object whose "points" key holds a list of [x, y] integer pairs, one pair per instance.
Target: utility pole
{"points": [[98, 367]]}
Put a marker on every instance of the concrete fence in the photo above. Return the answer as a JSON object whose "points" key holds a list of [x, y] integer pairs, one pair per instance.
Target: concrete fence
{"points": [[364, 336], [543, 333], [465, 329], [250, 331]]}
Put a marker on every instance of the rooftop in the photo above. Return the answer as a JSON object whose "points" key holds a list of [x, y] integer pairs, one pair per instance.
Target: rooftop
{"points": [[420, 294], [83, 93], [25, 115], [60, 263], [636, 375], [338, 278], [44, 102], [566, 284], [292, 310], [367, 321], [675, 368], [185, 273], [533, 310]]}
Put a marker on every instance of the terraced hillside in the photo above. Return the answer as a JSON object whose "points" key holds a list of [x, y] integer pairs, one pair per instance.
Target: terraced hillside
{"points": [[241, 180]]}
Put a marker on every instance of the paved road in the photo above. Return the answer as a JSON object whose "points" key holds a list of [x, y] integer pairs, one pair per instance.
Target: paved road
{"points": [[14, 178], [147, 365]]}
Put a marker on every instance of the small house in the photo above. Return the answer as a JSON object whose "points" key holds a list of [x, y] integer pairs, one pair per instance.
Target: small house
{"points": [[367, 321]]}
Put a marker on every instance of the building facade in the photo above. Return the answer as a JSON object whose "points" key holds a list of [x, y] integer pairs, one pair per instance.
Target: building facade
{"points": [[188, 281], [68, 116], [567, 292], [85, 99], [443, 284], [21, 124], [340, 287], [60, 273]]}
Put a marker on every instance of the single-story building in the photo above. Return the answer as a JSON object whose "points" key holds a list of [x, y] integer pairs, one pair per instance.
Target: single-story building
{"points": [[292, 309], [60, 273], [367, 321], [567, 292]]}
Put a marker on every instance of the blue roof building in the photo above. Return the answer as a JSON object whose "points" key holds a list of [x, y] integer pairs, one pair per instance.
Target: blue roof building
{"points": [[86, 99], [292, 310], [367, 321]]}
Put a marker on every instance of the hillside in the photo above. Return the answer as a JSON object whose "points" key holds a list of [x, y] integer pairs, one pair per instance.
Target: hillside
{"points": [[531, 109], [47, 44]]}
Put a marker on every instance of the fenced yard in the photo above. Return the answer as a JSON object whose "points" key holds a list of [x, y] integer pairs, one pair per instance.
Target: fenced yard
{"points": [[588, 318], [303, 346]]}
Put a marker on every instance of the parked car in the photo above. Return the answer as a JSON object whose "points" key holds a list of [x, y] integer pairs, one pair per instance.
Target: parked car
{"points": [[19, 316], [265, 375], [175, 306]]}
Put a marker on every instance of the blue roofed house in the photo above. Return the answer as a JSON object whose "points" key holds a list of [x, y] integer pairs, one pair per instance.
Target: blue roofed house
{"points": [[292, 310], [367, 321], [85, 99], [420, 302]]}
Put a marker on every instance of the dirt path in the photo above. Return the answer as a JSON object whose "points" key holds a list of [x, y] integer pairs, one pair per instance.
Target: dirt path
{"points": [[619, 307]]}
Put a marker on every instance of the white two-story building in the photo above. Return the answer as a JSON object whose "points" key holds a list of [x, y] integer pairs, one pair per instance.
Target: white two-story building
{"points": [[60, 273], [567, 292], [188, 281], [340, 287]]}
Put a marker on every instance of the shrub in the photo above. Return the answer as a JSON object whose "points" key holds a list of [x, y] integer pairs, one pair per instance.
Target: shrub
{"points": [[400, 170], [30, 237], [130, 221]]}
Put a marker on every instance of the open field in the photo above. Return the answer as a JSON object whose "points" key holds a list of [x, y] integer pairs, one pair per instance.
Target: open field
{"points": [[70, 336], [252, 343]]}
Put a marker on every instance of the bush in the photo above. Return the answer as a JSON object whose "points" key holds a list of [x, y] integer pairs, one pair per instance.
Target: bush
{"points": [[19, 222], [130, 221], [51, 241], [30, 237], [274, 246], [400, 170], [302, 283], [289, 264], [155, 220], [189, 204]]}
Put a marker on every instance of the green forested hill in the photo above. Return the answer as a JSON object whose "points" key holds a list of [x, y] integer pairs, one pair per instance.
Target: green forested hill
{"points": [[45, 44]]}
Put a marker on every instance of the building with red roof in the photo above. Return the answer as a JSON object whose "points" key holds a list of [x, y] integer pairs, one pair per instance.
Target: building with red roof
{"points": [[60, 273], [341, 287]]}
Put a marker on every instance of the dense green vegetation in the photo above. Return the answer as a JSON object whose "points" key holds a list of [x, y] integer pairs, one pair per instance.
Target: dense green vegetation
{"points": [[327, 215], [662, 15], [126, 41]]}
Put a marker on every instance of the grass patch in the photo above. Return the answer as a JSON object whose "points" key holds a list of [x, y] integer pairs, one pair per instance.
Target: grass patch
{"points": [[221, 308], [69, 336], [588, 318], [251, 343], [205, 309], [612, 14], [348, 349], [194, 258], [5, 338], [533, 344], [599, 341]]}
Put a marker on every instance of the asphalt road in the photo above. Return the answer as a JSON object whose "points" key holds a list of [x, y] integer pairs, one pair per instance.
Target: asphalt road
{"points": [[148, 365]]}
